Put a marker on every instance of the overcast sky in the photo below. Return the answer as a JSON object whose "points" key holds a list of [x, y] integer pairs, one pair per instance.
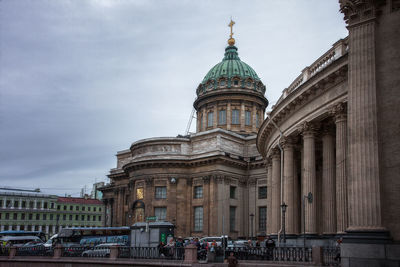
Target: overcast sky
{"points": [[83, 79]]}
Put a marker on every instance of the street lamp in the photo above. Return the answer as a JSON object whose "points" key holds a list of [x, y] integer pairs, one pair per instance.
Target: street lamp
{"points": [[251, 225], [283, 207], [309, 197]]}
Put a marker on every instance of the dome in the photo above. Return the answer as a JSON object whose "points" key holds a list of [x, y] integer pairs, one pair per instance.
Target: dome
{"points": [[231, 73], [231, 66]]}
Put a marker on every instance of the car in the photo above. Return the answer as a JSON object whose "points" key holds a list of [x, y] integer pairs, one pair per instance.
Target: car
{"points": [[211, 239], [239, 244], [101, 250]]}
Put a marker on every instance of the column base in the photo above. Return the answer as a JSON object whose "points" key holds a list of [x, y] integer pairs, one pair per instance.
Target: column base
{"points": [[367, 237]]}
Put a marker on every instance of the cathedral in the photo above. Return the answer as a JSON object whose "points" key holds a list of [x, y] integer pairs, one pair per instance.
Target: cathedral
{"points": [[209, 183], [322, 165]]}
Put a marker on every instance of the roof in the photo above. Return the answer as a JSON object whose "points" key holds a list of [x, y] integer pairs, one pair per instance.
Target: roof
{"points": [[79, 200], [231, 66]]}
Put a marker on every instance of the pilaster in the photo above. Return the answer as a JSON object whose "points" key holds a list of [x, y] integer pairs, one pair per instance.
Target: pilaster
{"points": [[276, 191]]}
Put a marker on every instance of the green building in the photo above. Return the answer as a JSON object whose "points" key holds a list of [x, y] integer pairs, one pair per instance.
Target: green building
{"points": [[34, 211]]}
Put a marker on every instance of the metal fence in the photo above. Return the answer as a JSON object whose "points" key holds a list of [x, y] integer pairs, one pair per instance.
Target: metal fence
{"points": [[288, 254], [169, 253]]}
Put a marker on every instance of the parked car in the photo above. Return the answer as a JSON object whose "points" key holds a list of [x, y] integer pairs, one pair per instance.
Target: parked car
{"points": [[210, 239], [239, 244], [102, 250]]}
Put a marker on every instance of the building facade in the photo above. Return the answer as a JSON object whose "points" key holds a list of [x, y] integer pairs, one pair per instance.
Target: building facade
{"points": [[47, 213], [208, 183], [331, 143]]}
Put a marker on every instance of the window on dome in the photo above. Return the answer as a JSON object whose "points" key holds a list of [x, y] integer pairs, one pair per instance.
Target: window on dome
{"points": [[257, 120], [236, 82], [249, 83], [222, 117], [222, 83], [210, 86], [247, 117], [210, 118], [235, 116]]}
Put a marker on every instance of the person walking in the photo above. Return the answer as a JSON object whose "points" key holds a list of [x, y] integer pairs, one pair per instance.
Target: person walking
{"points": [[232, 261]]}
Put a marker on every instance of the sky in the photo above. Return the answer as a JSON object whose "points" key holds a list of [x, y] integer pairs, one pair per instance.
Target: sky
{"points": [[83, 79]]}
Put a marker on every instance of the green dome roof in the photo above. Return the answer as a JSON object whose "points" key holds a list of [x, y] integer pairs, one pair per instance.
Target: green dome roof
{"points": [[231, 66]]}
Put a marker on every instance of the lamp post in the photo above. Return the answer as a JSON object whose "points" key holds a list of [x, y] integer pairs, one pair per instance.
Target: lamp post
{"points": [[251, 225], [283, 207], [309, 197]]}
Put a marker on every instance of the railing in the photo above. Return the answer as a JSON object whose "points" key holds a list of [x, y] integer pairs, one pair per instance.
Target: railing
{"points": [[338, 49], [169, 253], [331, 256], [287, 254]]}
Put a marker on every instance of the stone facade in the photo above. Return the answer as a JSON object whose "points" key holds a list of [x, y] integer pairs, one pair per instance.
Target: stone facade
{"points": [[338, 125]]}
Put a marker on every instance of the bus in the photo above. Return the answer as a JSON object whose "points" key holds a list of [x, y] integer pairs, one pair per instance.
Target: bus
{"points": [[92, 236], [39, 234]]}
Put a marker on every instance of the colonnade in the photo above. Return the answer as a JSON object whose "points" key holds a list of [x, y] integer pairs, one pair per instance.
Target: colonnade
{"points": [[314, 161]]}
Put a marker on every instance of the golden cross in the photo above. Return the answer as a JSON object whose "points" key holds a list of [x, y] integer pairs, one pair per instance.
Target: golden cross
{"points": [[231, 25]]}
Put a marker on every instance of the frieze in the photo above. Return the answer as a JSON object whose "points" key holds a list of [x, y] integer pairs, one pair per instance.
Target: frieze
{"points": [[206, 179], [172, 148], [198, 181], [149, 181], [262, 181], [140, 184], [160, 182], [252, 182]]}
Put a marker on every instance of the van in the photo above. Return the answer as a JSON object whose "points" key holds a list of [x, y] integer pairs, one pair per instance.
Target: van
{"points": [[18, 241]]}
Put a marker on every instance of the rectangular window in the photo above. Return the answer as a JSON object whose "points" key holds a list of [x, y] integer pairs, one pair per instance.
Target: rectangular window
{"points": [[76, 217], [262, 192], [71, 207], [210, 118], [37, 216], [65, 207], [99, 209], [82, 217], [58, 207], [198, 218], [52, 205], [88, 217], [247, 117], [45, 205], [16, 204], [232, 218], [15, 216], [23, 204], [83, 208], [262, 218], [76, 207], [198, 191], [139, 193], [94, 209], [160, 213], [8, 204], [44, 216], [30, 216], [222, 117], [161, 192], [1, 203], [23, 216], [99, 218], [51, 216], [70, 217], [31, 204], [232, 192], [64, 217], [235, 116], [94, 217], [7, 216], [88, 208]]}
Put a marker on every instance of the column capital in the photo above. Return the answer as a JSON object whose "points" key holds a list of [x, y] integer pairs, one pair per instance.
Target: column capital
{"points": [[288, 142], [339, 112], [276, 153], [328, 129], [268, 161], [359, 11], [308, 129]]}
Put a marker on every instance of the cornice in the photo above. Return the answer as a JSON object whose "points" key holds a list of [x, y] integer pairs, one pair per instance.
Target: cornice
{"points": [[316, 85]]}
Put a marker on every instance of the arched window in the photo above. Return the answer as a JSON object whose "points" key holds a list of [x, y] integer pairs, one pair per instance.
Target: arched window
{"points": [[210, 119], [222, 117], [247, 118]]}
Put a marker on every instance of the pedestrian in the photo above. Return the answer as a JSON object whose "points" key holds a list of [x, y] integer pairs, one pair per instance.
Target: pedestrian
{"points": [[270, 244], [338, 243], [232, 261]]}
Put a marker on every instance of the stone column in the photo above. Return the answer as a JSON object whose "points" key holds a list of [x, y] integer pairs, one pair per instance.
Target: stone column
{"points": [[204, 119], [363, 180], [53, 229], [228, 116], [35, 204], [288, 183], [328, 181], [20, 203], [215, 117], [198, 115], [2, 228], [310, 182], [242, 116], [4, 202], [269, 195], [42, 207], [18, 227], [276, 191], [340, 115], [254, 118], [12, 204], [296, 194]]}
